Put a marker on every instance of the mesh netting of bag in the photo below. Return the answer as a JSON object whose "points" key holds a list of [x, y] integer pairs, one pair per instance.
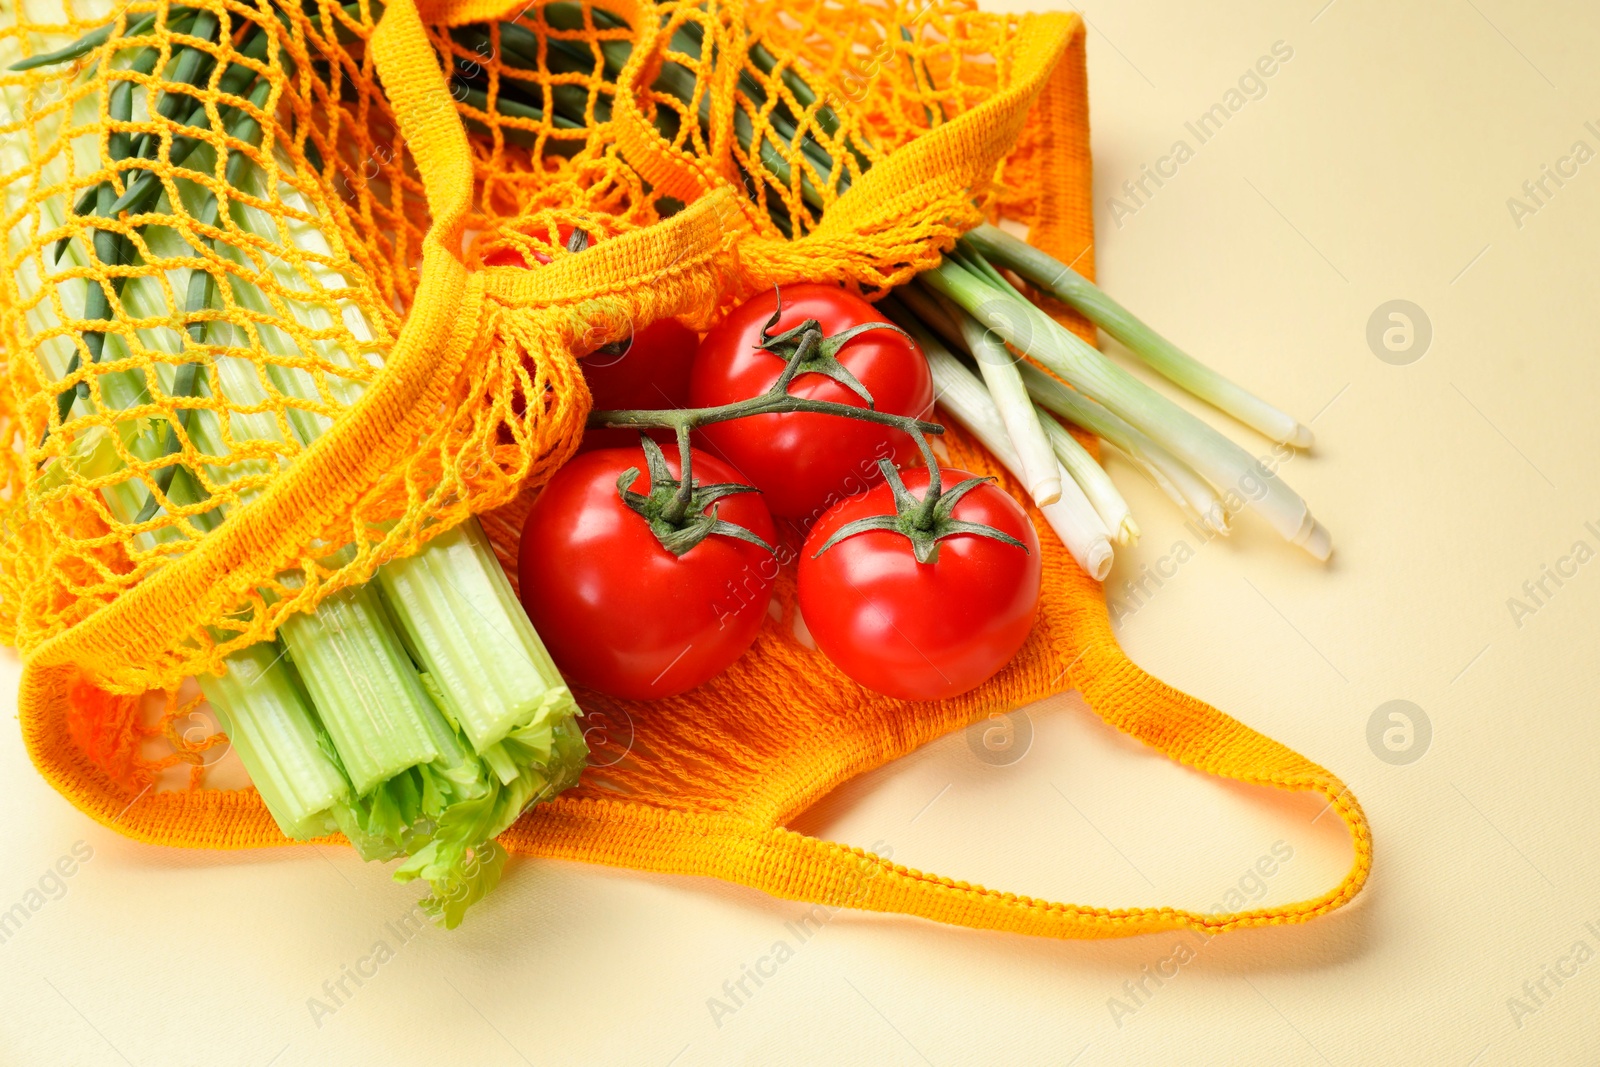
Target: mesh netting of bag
{"points": [[174, 360]]}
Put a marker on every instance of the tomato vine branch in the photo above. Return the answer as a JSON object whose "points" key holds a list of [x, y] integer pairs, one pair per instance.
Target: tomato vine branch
{"points": [[675, 507]]}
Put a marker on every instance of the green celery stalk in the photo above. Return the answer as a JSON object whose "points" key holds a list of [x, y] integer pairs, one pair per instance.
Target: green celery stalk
{"points": [[264, 712], [458, 610], [354, 668]]}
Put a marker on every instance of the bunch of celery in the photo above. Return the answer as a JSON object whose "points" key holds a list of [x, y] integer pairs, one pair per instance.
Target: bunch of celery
{"points": [[966, 301], [419, 714]]}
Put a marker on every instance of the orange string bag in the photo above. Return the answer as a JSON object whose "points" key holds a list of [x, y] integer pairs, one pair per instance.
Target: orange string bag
{"points": [[934, 118]]}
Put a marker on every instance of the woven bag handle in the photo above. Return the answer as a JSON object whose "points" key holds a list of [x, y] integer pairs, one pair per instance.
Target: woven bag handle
{"points": [[755, 850], [794, 866], [1184, 729]]}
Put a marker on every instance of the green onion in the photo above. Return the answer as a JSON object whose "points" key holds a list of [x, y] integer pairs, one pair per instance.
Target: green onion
{"points": [[1074, 458], [1170, 474], [1093, 480], [1193, 463], [1166, 358], [1241, 479]]}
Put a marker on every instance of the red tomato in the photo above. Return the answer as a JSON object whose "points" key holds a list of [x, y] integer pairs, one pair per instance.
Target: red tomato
{"points": [[511, 257], [922, 631], [803, 462], [618, 612], [648, 370]]}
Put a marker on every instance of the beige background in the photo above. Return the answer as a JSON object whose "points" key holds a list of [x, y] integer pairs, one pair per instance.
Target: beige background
{"points": [[1377, 166]]}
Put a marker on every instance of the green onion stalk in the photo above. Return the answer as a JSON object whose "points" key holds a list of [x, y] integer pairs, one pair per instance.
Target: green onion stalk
{"points": [[1239, 478], [966, 398], [1210, 476], [418, 714], [914, 304], [1185, 488], [1077, 292]]}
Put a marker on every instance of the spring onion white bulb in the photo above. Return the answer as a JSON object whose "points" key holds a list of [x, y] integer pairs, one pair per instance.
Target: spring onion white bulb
{"points": [[1074, 458], [1193, 495], [1095, 418], [1092, 479]]}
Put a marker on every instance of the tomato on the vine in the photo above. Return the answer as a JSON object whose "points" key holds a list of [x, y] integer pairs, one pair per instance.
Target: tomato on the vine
{"points": [[621, 613], [805, 462], [648, 370], [922, 630]]}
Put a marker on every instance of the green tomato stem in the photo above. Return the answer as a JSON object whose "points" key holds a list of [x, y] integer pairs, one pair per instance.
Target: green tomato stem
{"points": [[676, 511], [812, 353]]}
